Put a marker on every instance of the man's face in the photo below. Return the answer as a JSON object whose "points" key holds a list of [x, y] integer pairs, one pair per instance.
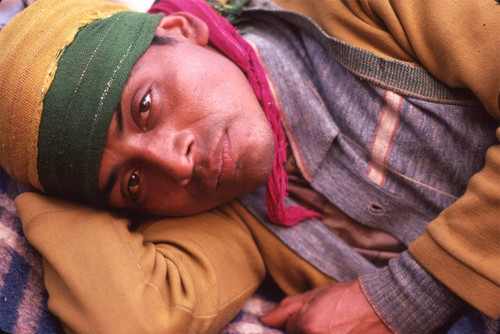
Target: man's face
{"points": [[188, 136]]}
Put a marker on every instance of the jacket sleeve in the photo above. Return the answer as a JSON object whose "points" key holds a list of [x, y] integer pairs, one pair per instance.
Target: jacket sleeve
{"points": [[179, 275], [458, 42], [457, 256], [461, 247]]}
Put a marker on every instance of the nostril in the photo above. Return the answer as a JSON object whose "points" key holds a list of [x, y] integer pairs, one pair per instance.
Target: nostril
{"points": [[190, 153]]}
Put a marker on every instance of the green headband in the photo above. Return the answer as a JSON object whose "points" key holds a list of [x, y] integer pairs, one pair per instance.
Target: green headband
{"points": [[80, 103]]}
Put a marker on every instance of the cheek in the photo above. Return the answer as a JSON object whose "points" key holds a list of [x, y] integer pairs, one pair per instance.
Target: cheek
{"points": [[172, 202], [255, 131], [256, 158]]}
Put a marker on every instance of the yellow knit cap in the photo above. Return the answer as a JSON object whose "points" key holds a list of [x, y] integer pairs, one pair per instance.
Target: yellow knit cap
{"points": [[31, 46]]}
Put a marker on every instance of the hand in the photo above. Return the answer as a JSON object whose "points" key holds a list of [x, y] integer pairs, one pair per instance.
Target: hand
{"points": [[335, 308]]}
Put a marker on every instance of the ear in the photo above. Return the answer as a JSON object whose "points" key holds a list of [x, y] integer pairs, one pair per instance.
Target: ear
{"points": [[182, 25]]}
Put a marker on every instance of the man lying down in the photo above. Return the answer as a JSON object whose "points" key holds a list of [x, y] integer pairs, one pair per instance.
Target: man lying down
{"points": [[381, 118]]}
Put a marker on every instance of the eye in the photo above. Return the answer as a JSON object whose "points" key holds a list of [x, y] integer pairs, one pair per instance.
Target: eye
{"points": [[144, 108], [133, 184]]}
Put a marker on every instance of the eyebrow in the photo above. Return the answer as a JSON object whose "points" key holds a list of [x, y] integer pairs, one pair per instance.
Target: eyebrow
{"points": [[119, 117], [116, 170]]}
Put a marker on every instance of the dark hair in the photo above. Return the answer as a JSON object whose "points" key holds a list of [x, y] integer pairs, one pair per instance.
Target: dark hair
{"points": [[163, 40]]}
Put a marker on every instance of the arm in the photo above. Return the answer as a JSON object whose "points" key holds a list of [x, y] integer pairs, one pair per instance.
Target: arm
{"points": [[461, 247], [460, 254], [459, 251], [457, 41], [177, 275]]}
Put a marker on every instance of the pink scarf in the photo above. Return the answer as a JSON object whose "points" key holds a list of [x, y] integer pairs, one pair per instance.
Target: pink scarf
{"points": [[225, 38]]}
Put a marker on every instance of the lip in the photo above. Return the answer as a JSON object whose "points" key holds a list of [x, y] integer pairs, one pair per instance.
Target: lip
{"points": [[227, 161], [220, 165]]}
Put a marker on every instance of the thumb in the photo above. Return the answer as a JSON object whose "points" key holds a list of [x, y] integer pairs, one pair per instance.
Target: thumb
{"points": [[278, 316]]}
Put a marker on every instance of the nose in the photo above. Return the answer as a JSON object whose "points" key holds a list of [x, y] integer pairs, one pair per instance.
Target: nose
{"points": [[173, 154]]}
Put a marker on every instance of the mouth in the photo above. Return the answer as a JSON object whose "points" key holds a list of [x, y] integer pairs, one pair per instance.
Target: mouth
{"points": [[227, 161], [220, 166]]}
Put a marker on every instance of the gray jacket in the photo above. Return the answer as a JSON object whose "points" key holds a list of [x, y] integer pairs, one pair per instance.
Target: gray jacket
{"points": [[382, 140]]}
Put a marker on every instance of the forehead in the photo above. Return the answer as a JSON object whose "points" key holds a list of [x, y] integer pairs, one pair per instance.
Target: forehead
{"points": [[142, 63], [158, 52]]}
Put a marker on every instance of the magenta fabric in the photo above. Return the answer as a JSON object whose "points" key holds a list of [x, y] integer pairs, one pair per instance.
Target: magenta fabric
{"points": [[227, 40]]}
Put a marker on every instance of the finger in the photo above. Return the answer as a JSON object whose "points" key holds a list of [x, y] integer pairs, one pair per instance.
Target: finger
{"points": [[292, 325], [288, 306], [278, 316]]}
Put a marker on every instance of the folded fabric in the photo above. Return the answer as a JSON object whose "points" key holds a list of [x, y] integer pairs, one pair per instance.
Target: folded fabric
{"points": [[23, 299]]}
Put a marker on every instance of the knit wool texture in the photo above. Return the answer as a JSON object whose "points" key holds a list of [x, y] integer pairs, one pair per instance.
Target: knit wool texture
{"points": [[63, 66], [85, 93], [31, 44]]}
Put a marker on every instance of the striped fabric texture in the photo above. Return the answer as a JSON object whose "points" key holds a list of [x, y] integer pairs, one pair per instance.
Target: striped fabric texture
{"points": [[61, 79], [23, 299], [83, 97], [38, 36]]}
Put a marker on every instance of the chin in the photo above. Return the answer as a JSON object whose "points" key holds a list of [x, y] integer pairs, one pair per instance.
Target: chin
{"points": [[255, 181]]}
